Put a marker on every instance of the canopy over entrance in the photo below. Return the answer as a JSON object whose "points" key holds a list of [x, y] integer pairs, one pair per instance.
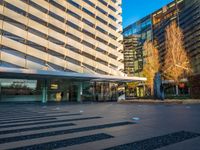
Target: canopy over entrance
{"points": [[40, 74], [44, 85]]}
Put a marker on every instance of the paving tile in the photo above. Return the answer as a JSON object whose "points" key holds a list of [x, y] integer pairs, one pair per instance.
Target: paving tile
{"points": [[155, 121]]}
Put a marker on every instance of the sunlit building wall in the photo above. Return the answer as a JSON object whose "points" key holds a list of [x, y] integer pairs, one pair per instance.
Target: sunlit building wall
{"points": [[65, 35], [60, 37], [160, 20]]}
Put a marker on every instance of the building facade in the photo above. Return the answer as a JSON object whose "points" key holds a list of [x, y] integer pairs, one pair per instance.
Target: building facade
{"points": [[160, 20], [186, 14], [131, 45], [190, 23], [134, 37], [71, 36]]}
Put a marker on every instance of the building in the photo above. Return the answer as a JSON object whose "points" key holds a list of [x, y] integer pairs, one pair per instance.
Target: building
{"points": [[160, 20], [186, 14], [131, 44], [61, 50], [134, 37], [190, 23]]}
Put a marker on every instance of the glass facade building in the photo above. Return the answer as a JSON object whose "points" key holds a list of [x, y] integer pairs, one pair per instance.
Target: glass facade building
{"points": [[67, 37], [141, 27], [134, 37], [186, 14]]}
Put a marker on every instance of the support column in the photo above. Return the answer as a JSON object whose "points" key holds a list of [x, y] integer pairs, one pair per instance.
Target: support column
{"points": [[0, 91], [80, 92], [44, 91], [102, 92], [177, 90], [117, 91], [94, 92], [144, 87]]}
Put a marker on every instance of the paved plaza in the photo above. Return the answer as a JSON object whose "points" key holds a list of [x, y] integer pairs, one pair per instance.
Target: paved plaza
{"points": [[97, 126]]}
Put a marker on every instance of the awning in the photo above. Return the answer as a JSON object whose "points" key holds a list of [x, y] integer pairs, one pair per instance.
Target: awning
{"points": [[44, 74]]}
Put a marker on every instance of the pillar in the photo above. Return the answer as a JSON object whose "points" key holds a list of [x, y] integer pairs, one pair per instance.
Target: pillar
{"points": [[0, 91], [177, 90], [80, 92], [44, 91]]}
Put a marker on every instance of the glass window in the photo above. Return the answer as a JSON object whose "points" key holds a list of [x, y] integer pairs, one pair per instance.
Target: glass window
{"points": [[20, 90]]}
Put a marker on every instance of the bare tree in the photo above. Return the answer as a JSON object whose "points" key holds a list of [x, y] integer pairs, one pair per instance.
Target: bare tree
{"points": [[176, 61], [152, 65]]}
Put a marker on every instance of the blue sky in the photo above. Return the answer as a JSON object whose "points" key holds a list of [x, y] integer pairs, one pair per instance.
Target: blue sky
{"points": [[134, 10]]}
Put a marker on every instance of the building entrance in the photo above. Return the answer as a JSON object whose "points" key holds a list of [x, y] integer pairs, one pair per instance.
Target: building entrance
{"points": [[56, 90]]}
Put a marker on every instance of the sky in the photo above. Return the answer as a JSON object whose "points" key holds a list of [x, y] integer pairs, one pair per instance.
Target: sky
{"points": [[133, 10]]}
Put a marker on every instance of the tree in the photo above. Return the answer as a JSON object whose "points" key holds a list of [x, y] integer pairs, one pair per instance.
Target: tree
{"points": [[176, 61], [152, 65]]}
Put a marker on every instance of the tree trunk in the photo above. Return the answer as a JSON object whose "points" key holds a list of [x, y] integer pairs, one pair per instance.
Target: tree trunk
{"points": [[152, 90]]}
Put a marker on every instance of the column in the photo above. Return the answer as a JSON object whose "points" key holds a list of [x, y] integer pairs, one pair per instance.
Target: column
{"points": [[80, 92], [44, 91], [0, 91], [177, 90]]}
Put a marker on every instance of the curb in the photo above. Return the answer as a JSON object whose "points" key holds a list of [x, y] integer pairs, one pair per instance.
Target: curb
{"points": [[167, 101]]}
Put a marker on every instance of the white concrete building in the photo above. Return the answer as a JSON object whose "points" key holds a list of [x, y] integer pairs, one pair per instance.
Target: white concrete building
{"points": [[65, 36]]}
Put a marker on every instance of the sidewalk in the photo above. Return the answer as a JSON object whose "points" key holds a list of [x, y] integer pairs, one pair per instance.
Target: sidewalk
{"points": [[166, 101]]}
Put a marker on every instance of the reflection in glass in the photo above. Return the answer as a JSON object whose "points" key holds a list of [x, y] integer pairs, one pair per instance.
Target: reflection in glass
{"points": [[20, 90]]}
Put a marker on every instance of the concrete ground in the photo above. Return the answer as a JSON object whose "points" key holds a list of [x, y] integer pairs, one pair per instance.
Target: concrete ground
{"points": [[95, 126]]}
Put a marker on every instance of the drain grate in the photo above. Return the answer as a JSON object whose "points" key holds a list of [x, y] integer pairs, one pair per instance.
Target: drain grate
{"points": [[24, 118], [36, 128], [157, 142], [21, 119], [7, 118], [61, 132], [15, 115], [28, 120], [29, 114], [63, 115], [45, 122], [66, 142]]}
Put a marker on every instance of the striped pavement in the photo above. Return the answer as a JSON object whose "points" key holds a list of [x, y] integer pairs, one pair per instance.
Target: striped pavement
{"points": [[39, 127]]}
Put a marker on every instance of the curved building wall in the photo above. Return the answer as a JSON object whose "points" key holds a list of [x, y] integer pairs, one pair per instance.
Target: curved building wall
{"points": [[66, 35]]}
